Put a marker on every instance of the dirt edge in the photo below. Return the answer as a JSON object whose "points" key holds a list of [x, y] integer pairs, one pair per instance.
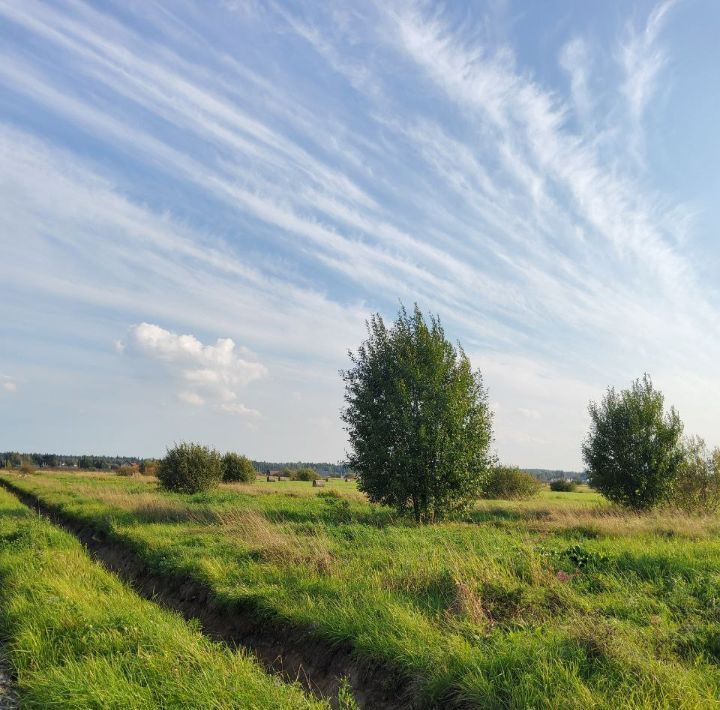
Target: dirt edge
{"points": [[293, 653]]}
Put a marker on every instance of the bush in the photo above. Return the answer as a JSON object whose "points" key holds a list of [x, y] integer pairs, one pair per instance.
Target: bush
{"points": [[511, 483], [305, 474], [563, 485], [26, 468], [128, 470], [149, 467], [697, 487], [238, 468], [633, 450], [190, 468]]}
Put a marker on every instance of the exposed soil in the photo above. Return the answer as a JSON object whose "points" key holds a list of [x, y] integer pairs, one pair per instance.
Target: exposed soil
{"points": [[294, 653], [8, 696]]}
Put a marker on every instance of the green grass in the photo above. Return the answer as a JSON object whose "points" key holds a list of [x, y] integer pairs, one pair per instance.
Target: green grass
{"points": [[76, 637], [561, 601]]}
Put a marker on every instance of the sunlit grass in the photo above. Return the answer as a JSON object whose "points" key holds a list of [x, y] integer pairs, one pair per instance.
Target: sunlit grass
{"points": [[560, 601], [78, 638]]}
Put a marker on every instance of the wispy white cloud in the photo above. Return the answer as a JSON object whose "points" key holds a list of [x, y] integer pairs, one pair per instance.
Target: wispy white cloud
{"points": [[642, 58], [401, 154], [575, 60], [8, 384]]}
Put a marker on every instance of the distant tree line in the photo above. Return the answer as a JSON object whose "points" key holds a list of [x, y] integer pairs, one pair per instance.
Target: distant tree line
{"points": [[13, 459], [546, 474]]}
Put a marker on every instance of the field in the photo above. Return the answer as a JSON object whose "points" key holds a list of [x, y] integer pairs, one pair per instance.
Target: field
{"points": [[562, 601], [77, 637]]}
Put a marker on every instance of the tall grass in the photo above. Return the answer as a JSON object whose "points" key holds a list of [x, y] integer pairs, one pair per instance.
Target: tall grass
{"points": [[78, 638], [562, 601]]}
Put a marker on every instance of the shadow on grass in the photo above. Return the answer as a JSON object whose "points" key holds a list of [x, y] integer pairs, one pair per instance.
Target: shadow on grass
{"points": [[337, 512], [503, 515]]}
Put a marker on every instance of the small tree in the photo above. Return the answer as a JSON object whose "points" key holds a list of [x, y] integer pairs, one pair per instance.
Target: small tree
{"points": [[238, 468], [418, 419], [697, 488], [511, 483], [633, 450], [190, 468]]}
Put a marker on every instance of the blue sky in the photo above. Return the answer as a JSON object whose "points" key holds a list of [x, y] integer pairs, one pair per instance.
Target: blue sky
{"points": [[202, 202]]}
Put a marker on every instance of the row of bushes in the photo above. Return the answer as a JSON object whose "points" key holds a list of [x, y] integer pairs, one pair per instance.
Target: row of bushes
{"points": [[191, 468], [300, 474], [512, 483]]}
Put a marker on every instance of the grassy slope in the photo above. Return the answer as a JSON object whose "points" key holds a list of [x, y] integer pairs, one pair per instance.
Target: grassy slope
{"points": [[558, 602], [78, 638]]}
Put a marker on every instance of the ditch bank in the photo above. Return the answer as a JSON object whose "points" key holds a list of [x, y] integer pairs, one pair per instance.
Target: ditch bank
{"points": [[296, 654], [8, 696]]}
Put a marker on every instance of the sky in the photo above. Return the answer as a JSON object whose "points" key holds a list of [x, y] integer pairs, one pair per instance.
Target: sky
{"points": [[202, 202]]}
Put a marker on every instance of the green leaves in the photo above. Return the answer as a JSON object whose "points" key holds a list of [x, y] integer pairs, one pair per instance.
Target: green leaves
{"points": [[417, 417], [190, 468], [633, 449]]}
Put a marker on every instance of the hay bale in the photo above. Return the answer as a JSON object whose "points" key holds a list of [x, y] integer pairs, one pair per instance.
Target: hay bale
{"points": [[318, 483], [272, 479]]}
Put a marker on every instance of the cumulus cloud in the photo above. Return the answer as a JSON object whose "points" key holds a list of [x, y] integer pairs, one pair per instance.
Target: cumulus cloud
{"points": [[209, 374], [8, 383]]}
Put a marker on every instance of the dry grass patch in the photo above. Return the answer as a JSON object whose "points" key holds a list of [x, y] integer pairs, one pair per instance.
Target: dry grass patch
{"points": [[276, 545], [599, 518], [617, 522]]}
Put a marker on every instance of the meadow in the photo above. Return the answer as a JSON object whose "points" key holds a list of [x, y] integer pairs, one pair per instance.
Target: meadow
{"points": [[76, 637], [562, 601]]}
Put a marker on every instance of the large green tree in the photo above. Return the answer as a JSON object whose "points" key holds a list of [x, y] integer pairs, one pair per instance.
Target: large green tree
{"points": [[633, 451], [418, 419]]}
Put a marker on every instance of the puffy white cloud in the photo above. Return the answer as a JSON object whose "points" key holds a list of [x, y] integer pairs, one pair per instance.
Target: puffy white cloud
{"points": [[210, 374], [8, 383]]}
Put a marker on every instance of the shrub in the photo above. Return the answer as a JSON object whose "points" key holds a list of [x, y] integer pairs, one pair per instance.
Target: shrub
{"points": [[238, 468], [149, 467], [697, 487], [511, 483], [633, 450], [563, 485], [190, 468], [417, 417], [26, 468], [128, 470], [305, 474]]}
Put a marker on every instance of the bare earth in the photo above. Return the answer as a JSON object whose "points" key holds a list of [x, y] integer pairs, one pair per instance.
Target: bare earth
{"points": [[8, 697]]}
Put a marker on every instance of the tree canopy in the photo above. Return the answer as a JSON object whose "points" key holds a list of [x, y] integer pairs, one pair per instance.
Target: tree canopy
{"points": [[633, 450], [418, 419]]}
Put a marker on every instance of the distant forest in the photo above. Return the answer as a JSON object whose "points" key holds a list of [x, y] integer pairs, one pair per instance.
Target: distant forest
{"points": [[547, 474], [12, 459]]}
